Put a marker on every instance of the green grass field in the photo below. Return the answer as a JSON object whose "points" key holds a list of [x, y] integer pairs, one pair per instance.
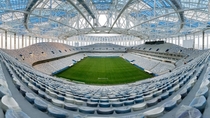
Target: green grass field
{"points": [[104, 71]]}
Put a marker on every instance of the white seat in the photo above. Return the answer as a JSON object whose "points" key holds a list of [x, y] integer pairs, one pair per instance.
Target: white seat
{"points": [[192, 81], [176, 88], [205, 82], [177, 98], [47, 91], [138, 107], [69, 95], [15, 80], [154, 113], [8, 102], [3, 83], [30, 85], [113, 100], [52, 94], [69, 100], [148, 97], [79, 102], [57, 113], [57, 102], [158, 92]]}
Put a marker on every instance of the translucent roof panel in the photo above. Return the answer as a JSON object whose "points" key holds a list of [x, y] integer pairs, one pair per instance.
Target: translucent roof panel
{"points": [[102, 4], [38, 20], [102, 1], [194, 3], [159, 3], [143, 13], [18, 4], [14, 4]]}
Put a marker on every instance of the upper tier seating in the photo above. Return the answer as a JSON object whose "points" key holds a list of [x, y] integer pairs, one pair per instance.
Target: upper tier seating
{"points": [[103, 47], [162, 48], [154, 66], [56, 65], [54, 57], [41, 51]]}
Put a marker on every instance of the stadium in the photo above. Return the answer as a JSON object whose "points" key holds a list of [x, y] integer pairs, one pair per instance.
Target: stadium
{"points": [[104, 58]]}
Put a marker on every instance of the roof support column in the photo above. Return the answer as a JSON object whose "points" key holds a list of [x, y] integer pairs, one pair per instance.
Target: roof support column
{"points": [[5, 39], [14, 40], [25, 39], [207, 41], [10, 36], [29, 38], [193, 41], [22, 41], [18, 42], [2, 38], [179, 40], [36, 40], [154, 7], [199, 40], [203, 36]]}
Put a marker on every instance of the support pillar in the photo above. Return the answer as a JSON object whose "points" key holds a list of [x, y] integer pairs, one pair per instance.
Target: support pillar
{"points": [[26, 39], [18, 42], [2, 38], [193, 41], [207, 41], [22, 41], [5, 39], [178, 40], [29, 38], [10, 42], [36, 40], [203, 36], [15, 41]]}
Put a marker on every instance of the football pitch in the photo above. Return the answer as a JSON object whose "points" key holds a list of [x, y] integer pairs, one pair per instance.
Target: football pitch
{"points": [[104, 71]]}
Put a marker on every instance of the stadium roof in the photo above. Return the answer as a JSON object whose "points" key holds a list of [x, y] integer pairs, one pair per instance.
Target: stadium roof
{"points": [[146, 19]]}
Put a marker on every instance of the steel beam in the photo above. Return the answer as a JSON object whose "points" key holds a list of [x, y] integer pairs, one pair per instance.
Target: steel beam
{"points": [[25, 12], [118, 16], [167, 15], [29, 10], [72, 3], [82, 2], [180, 14]]}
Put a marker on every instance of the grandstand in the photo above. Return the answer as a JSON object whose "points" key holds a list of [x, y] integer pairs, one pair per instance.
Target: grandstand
{"points": [[157, 52]]}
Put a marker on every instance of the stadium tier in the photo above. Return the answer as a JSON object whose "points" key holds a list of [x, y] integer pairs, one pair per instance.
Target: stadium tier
{"points": [[28, 86]]}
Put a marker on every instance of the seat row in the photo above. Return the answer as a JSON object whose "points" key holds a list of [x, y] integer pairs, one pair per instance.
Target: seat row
{"points": [[9, 108], [88, 110]]}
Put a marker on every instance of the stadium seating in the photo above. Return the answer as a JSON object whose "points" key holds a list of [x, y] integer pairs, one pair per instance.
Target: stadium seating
{"points": [[160, 96], [57, 113], [8, 105], [11, 113]]}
